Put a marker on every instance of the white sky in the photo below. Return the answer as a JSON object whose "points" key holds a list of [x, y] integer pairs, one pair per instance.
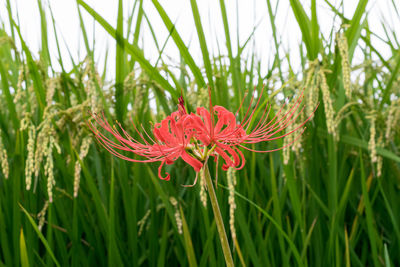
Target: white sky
{"points": [[250, 13]]}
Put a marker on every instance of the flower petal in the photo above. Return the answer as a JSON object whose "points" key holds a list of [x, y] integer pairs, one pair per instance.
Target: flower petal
{"points": [[205, 115], [225, 118], [228, 162], [195, 163], [159, 172]]}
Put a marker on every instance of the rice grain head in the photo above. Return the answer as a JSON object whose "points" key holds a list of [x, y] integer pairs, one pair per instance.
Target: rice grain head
{"points": [[91, 78], [286, 152], [203, 194], [379, 162], [51, 85], [84, 149], [142, 222], [3, 158], [393, 119], [344, 54], [372, 137], [231, 177], [177, 214], [326, 97], [19, 93], [30, 161], [42, 214]]}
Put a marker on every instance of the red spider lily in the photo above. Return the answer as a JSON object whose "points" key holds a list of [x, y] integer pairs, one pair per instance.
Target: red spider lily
{"points": [[171, 140], [226, 135], [195, 137]]}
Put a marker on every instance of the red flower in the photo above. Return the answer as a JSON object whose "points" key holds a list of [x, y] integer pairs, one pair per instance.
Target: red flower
{"points": [[171, 140], [195, 137], [226, 135]]}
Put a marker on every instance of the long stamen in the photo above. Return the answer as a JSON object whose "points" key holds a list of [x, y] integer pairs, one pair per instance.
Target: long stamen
{"points": [[287, 119], [273, 150], [254, 109], [291, 111], [248, 108], [212, 115], [194, 183]]}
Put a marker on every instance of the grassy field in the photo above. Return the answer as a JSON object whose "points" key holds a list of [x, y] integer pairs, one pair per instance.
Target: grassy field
{"points": [[329, 199]]}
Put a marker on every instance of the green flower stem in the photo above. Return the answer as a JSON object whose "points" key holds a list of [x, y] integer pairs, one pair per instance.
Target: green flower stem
{"points": [[218, 218]]}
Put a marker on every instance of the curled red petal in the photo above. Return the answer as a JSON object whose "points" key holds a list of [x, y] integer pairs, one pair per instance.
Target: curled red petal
{"points": [[242, 158], [159, 172], [195, 163], [205, 115], [225, 119], [228, 162]]}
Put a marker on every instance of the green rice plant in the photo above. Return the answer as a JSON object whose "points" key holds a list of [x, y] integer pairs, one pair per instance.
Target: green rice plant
{"points": [[328, 199]]}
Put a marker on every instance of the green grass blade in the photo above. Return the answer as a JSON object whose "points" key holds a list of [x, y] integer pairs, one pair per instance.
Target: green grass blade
{"points": [[179, 43], [390, 212], [353, 33], [40, 235], [305, 26], [235, 68], [272, 17], [243, 223], [22, 247], [99, 205], [119, 65], [138, 23], [308, 238], [188, 241], [163, 247], [272, 220], [165, 200], [277, 213], [364, 144], [393, 77], [387, 257], [136, 33], [131, 49], [9, 98], [45, 54], [315, 29], [203, 44], [114, 257], [60, 57], [84, 33], [369, 215], [34, 72], [5, 246]]}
